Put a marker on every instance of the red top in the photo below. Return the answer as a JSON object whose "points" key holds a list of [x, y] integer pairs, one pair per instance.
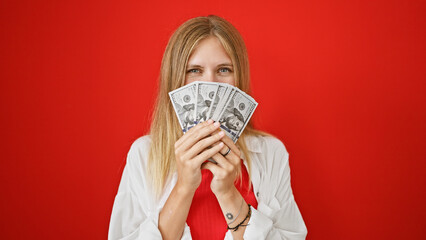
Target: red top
{"points": [[205, 217]]}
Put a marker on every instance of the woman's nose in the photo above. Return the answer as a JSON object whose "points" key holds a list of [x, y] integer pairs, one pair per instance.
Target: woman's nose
{"points": [[209, 77]]}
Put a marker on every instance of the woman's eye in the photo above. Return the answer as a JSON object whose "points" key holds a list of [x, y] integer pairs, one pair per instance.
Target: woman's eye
{"points": [[193, 71], [225, 70]]}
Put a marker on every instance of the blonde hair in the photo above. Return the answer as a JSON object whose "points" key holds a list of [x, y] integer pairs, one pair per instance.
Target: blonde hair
{"points": [[165, 129]]}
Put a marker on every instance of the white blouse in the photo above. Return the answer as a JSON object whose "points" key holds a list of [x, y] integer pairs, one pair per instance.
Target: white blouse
{"points": [[135, 211]]}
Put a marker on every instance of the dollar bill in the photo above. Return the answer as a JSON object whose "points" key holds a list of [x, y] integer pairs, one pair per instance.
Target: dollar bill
{"points": [[184, 101], [206, 94], [236, 114], [199, 101], [217, 98], [230, 90]]}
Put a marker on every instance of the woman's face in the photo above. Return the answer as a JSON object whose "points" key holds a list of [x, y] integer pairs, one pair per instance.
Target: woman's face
{"points": [[209, 62]]}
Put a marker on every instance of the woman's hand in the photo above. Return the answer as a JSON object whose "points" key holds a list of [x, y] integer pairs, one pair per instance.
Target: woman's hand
{"points": [[192, 149], [226, 169]]}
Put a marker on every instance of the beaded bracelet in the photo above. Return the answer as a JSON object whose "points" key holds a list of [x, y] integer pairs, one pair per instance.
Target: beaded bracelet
{"points": [[241, 223]]}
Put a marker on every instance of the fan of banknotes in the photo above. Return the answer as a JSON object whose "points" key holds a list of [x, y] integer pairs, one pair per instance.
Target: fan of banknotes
{"points": [[200, 101]]}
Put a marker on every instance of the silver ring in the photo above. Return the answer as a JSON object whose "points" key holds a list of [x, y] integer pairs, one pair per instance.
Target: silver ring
{"points": [[229, 149]]}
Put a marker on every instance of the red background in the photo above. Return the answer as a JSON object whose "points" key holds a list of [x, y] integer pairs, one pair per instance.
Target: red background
{"points": [[341, 83]]}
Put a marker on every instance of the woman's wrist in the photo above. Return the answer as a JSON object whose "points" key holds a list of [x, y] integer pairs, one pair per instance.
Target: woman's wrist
{"points": [[233, 205], [184, 190], [232, 193], [173, 215], [236, 212]]}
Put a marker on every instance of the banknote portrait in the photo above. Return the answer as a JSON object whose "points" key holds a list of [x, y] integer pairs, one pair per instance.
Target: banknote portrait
{"points": [[237, 113]]}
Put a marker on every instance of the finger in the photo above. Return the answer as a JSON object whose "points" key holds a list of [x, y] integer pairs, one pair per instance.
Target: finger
{"points": [[203, 144], [220, 172], [195, 136], [206, 154], [232, 157], [232, 164], [198, 135], [188, 134], [228, 142], [200, 125], [225, 148], [223, 162], [216, 170]]}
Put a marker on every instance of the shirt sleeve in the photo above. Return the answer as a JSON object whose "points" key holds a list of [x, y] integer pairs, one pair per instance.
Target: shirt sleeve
{"points": [[277, 215], [134, 216]]}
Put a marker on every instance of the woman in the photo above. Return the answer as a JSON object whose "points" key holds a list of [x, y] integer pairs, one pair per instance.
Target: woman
{"points": [[169, 190]]}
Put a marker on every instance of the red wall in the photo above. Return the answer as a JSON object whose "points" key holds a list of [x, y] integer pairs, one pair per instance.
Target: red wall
{"points": [[341, 83]]}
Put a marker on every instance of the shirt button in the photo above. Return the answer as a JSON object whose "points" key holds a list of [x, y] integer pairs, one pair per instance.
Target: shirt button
{"points": [[257, 194]]}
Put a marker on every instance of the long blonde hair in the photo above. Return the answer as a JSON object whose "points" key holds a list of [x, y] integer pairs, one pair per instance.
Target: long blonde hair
{"points": [[165, 129]]}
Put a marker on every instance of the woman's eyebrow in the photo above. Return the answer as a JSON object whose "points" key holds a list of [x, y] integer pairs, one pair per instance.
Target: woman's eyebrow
{"points": [[225, 65], [220, 65], [194, 66]]}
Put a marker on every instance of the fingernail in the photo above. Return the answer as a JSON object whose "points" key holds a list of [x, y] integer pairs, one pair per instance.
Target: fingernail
{"points": [[221, 133], [221, 144], [216, 124], [209, 121]]}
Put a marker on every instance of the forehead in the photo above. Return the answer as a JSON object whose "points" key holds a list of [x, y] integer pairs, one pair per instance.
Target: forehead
{"points": [[209, 50]]}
